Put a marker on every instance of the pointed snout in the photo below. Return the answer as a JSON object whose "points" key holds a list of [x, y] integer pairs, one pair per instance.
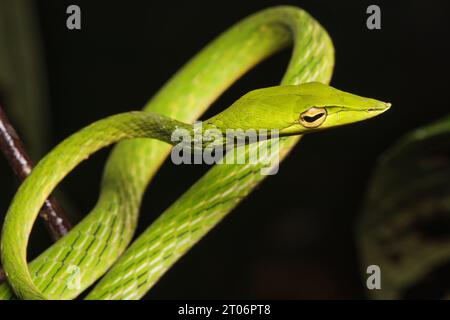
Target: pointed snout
{"points": [[379, 108]]}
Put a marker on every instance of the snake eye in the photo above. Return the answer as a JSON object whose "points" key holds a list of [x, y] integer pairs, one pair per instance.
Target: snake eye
{"points": [[313, 117]]}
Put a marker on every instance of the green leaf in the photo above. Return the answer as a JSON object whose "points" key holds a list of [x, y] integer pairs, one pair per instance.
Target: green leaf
{"points": [[405, 225]]}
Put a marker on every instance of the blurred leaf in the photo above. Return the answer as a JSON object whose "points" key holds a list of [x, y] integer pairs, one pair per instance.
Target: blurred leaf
{"points": [[405, 226], [22, 73], [23, 81]]}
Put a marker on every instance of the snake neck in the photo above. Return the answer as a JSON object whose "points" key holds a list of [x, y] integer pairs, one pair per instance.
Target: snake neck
{"points": [[209, 135]]}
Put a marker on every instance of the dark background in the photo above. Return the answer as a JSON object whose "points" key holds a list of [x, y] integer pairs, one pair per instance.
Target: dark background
{"points": [[294, 236]]}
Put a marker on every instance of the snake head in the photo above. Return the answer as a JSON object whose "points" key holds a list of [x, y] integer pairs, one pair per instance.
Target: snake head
{"points": [[298, 109], [317, 106]]}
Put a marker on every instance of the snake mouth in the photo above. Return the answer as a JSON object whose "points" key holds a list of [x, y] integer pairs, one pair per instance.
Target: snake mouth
{"points": [[380, 109]]}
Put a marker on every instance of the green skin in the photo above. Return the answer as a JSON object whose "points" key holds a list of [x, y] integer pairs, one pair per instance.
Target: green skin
{"points": [[73, 263]]}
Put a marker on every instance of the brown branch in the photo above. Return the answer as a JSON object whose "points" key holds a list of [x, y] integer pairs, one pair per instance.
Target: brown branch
{"points": [[54, 217]]}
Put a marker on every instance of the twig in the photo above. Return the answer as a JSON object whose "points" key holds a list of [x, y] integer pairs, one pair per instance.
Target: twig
{"points": [[52, 214]]}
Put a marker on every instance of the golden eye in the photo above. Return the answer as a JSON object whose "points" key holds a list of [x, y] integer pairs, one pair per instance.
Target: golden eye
{"points": [[313, 117]]}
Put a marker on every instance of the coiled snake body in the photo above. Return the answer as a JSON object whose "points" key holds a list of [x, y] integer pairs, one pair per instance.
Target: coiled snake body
{"points": [[100, 241]]}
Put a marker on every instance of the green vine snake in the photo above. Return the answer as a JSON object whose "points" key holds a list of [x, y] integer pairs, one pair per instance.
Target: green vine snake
{"points": [[100, 243]]}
